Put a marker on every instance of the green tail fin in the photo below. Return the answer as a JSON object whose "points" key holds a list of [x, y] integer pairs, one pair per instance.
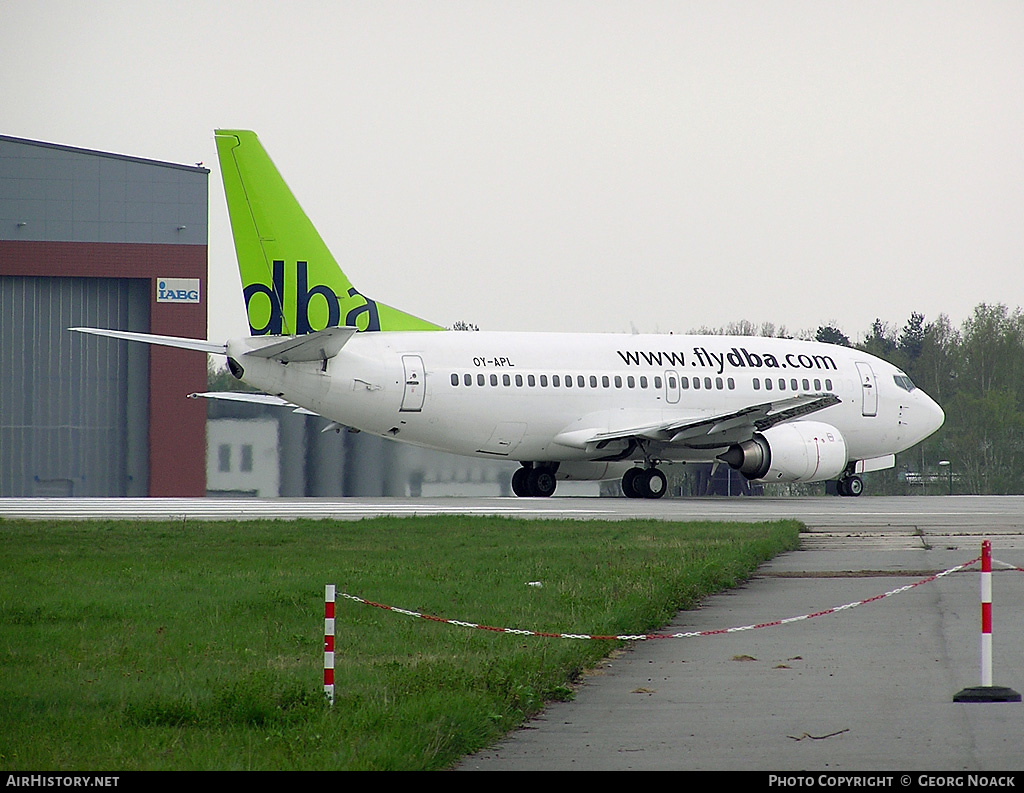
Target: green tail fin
{"points": [[292, 283]]}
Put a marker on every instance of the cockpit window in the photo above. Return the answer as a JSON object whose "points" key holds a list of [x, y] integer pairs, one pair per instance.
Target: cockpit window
{"points": [[904, 382]]}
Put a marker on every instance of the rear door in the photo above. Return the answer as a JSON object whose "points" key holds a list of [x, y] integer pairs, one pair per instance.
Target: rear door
{"points": [[415, 384]]}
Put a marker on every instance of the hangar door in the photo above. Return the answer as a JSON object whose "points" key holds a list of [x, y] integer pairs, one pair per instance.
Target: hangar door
{"points": [[74, 409]]}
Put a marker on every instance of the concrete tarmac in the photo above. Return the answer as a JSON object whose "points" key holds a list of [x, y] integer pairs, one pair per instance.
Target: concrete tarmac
{"points": [[866, 689]]}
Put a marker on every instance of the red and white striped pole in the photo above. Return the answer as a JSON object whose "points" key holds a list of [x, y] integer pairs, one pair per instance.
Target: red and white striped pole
{"points": [[986, 692], [329, 643], [986, 613]]}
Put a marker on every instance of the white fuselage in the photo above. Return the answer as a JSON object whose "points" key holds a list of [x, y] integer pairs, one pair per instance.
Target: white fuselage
{"points": [[531, 396]]}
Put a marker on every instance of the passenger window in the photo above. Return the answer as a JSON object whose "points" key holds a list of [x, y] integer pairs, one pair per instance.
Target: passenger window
{"points": [[782, 384], [593, 381], [696, 383], [643, 381], [618, 381], [731, 383], [568, 381], [543, 381], [757, 384], [718, 383], [581, 381], [519, 380], [631, 381], [555, 380], [506, 380], [807, 385], [467, 379], [480, 380], [455, 379], [793, 385], [684, 382], [707, 383], [494, 379], [531, 380], [605, 381], [828, 385]]}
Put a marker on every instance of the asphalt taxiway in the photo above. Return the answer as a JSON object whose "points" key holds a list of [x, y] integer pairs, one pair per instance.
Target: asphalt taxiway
{"points": [[951, 514]]}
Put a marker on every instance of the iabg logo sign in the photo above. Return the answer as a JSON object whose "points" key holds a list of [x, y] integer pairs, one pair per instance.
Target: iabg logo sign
{"points": [[177, 290]]}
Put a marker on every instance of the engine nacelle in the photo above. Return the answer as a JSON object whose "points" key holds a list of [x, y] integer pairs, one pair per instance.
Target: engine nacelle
{"points": [[800, 451]]}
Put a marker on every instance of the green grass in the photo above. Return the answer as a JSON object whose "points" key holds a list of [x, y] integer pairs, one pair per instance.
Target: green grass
{"points": [[200, 645]]}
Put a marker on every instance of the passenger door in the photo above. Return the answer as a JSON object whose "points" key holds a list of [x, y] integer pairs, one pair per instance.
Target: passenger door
{"points": [[868, 389]]}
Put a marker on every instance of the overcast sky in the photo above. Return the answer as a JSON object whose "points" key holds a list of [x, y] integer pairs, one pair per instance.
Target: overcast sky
{"points": [[578, 165]]}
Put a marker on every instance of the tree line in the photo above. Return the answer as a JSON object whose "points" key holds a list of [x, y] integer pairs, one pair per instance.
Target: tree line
{"points": [[976, 374]]}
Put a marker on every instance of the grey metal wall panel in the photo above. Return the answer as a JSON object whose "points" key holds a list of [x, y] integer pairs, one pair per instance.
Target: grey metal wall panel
{"points": [[73, 417], [61, 194]]}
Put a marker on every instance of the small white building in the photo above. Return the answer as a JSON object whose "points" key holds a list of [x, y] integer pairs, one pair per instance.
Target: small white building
{"points": [[242, 457]]}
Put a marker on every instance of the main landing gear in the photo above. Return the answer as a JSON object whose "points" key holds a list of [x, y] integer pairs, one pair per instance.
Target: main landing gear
{"points": [[539, 481], [851, 485], [644, 483], [534, 481]]}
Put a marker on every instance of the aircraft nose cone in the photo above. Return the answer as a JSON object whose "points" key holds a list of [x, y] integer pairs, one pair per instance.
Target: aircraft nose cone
{"points": [[934, 417]]}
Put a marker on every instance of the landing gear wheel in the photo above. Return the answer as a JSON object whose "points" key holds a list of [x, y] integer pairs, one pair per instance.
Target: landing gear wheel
{"points": [[629, 480], [651, 483], [541, 482], [519, 484], [850, 486]]}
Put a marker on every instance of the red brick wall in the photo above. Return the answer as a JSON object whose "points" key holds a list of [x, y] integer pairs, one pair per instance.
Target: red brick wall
{"points": [[177, 426]]}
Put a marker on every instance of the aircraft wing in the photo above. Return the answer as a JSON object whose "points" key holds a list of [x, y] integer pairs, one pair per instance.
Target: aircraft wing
{"points": [[253, 397], [720, 429]]}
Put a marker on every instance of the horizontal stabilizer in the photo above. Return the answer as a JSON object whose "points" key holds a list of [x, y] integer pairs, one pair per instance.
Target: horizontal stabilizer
{"points": [[253, 398], [180, 342], [317, 346]]}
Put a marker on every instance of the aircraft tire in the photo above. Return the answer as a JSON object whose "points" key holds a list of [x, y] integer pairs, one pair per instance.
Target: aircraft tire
{"points": [[519, 484], [850, 486], [651, 483], [541, 482], [629, 481]]}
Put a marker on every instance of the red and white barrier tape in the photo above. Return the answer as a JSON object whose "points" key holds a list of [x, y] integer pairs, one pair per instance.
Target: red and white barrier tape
{"points": [[643, 637]]}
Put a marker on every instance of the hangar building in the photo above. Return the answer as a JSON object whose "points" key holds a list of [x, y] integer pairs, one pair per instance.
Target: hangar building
{"points": [[101, 240]]}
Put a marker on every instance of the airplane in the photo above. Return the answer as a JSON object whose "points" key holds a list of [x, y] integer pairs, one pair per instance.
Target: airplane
{"points": [[567, 406]]}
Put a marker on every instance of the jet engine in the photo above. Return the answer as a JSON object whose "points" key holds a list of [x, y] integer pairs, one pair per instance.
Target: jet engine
{"points": [[800, 451]]}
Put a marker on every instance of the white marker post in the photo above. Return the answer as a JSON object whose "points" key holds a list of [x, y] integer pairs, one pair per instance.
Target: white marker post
{"points": [[986, 692]]}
